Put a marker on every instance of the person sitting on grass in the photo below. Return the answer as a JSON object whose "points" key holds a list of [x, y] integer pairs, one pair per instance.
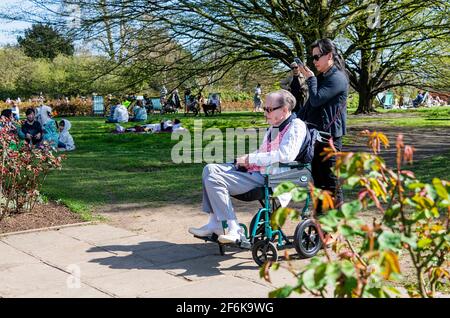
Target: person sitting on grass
{"points": [[65, 141], [114, 103], [7, 119], [139, 112], [15, 110], [120, 115], [49, 126], [31, 130]]}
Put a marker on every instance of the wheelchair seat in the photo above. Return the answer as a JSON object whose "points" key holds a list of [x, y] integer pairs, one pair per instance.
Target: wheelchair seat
{"points": [[256, 194]]}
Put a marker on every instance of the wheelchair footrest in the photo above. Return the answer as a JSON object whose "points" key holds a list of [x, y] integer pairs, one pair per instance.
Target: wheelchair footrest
{"points": [[212, 238]]}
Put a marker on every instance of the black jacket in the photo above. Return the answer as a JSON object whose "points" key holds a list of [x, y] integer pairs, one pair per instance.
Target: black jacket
{"points": [[327, 100], [33, 129]]}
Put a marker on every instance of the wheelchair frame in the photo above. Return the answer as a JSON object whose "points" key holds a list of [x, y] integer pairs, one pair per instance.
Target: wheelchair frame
{"points": [[264, 247]]}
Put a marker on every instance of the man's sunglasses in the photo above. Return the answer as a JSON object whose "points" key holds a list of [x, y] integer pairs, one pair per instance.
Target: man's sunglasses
{"points": [[294, 67], [269, 110], [317, 56]]}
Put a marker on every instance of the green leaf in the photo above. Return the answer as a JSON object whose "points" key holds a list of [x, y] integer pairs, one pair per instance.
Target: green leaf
{"points": [[393, 211], [416, 185], [282, 292], [329, 221], [315, 261], [375, 292], [353, 180], [350, 209], [283, 188], [346, 230], [350, 284], [431, 191], [333, 272], [424, 243], [308, 279], [411, 241], [389, 241], [440, 189], [417, 216], [299, 194], [319, 275], [275, 266], [428, 213], [279, 217], [347, 268], [391, 290]]}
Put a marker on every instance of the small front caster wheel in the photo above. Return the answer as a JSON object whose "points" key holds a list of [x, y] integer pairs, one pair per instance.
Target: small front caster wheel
{"points": [[263, 251]]}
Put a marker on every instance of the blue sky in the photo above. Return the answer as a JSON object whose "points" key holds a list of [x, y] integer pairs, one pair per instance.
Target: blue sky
{"points": [[9, 30]]}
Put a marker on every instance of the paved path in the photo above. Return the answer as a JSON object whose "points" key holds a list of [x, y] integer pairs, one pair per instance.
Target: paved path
{"points": [[114, 262]]}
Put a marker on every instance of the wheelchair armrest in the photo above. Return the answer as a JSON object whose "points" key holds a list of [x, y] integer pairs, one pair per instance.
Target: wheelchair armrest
{"points": [[294, 165], [299, 174]]}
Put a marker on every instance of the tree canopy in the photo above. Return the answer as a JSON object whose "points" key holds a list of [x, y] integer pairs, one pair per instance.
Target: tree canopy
{"points": [[385, 43], [43, 41]]}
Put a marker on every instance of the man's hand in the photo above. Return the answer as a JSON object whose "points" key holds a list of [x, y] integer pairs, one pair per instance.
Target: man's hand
{"points": [[306, 72], [28, 136], [242, 161], [38, 136]]}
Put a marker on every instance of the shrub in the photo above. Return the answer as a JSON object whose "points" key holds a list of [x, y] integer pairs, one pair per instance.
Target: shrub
{"points": [[23, 169], [75, 107], [413, 220]]}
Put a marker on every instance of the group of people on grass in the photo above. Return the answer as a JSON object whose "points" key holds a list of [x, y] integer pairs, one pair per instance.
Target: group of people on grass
{"points": [[39, 127]]}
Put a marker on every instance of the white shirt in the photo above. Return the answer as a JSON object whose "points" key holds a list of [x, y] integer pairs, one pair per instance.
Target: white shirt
{"points": [[288, 149]]}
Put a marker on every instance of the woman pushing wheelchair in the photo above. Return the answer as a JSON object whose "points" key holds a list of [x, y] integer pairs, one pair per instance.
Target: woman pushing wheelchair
{"points": [[281, 144]]}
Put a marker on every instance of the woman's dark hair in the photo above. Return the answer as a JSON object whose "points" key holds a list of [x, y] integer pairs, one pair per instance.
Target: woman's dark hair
{"points": [[326, 46], [7, 113], [176, 121], [29, 111], [62, 123]]}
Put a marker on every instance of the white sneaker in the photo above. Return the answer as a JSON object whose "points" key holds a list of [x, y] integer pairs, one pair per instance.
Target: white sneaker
{"points": [[232, 238], [205, 231]]}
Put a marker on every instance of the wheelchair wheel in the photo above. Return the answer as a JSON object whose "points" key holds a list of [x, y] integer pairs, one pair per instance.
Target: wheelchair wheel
{"points": [[263, 251], [259, 230], [307, 239]]}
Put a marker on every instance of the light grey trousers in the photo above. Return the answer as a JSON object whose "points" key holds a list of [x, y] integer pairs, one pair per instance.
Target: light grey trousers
{"points": [[222, 180]]}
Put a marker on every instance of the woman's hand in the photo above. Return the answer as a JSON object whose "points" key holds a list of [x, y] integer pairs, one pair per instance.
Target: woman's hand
{"points": [[242, 161], [306, 72]]}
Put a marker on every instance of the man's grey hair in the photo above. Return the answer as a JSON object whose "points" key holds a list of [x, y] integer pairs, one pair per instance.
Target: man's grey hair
{"points": [[283, 97]]}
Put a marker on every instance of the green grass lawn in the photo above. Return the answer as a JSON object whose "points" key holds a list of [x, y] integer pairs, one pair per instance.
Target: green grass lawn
{"points": [[137, 168], [436, 166], [418, 117], [130, 168]]}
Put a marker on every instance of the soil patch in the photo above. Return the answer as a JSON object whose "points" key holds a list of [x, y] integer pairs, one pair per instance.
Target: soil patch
{"points": [[43, 215]]}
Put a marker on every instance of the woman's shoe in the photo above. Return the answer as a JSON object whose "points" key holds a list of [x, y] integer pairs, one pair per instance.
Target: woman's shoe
{"points": [[205, 230], [232, 238]]}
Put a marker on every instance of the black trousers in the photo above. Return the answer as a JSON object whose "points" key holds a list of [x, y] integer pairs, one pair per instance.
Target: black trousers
{"points": [[323, 177]]}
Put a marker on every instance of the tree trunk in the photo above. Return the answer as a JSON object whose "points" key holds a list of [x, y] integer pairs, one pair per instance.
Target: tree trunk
{"points": [[364, 86], [365, 101]]}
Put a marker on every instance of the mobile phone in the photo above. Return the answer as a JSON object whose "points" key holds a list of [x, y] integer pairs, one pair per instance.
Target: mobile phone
{"points": [[298, 61]]}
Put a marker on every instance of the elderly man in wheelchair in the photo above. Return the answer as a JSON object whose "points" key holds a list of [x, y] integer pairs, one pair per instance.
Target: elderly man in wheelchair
{"points": [[248, 179]]}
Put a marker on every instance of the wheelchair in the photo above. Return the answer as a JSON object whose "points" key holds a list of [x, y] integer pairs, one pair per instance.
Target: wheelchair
{"points": [[261, 238]]}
